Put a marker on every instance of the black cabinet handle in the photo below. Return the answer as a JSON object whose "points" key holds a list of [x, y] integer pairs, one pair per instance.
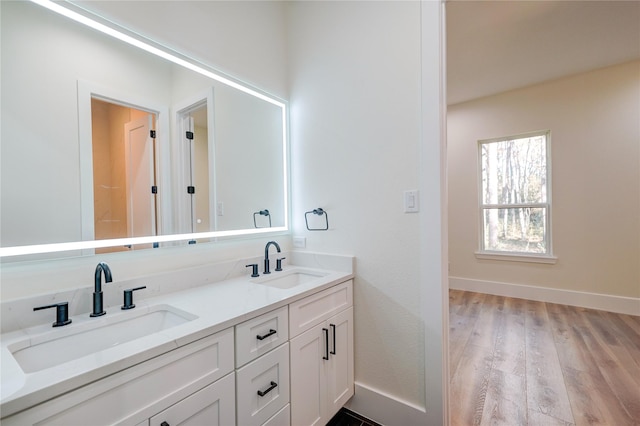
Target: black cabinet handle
{"points": [[326, 343], [266, 391], [333, 331], [164, 424], [270, 333]]}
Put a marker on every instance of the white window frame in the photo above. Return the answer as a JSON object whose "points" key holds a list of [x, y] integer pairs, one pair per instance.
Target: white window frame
{"points": [[482, 253]]}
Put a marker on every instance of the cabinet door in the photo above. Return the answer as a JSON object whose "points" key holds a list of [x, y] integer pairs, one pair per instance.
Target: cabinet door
{"points": [[317, 308], [308, 377], [340, 364], [212, 406]]}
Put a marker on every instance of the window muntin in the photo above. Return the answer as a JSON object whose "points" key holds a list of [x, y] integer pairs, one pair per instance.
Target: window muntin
{"points": [[515, 198]]}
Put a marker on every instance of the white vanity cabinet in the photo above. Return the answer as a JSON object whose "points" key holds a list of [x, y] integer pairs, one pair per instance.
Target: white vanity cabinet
{"points": [[174, 382], [321, 354], [292, 365], [262, 375]]}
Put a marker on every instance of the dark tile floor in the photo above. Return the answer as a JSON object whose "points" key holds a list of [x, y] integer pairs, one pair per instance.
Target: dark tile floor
{"points": [[349, 418]]}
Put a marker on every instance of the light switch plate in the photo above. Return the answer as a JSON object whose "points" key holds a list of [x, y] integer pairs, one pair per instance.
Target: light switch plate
{"points": [[411, 201]]}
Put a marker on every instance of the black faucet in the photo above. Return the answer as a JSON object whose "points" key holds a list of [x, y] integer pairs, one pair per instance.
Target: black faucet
{"points": [[266, 255], [97, 290]]}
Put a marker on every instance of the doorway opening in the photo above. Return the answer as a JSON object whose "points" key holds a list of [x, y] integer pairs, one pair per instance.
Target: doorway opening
{"points": [[124, 172]]}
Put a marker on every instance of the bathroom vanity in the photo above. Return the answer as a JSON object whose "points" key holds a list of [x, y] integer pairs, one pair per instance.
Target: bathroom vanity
{"points": [[214, 344], [270, 350]]}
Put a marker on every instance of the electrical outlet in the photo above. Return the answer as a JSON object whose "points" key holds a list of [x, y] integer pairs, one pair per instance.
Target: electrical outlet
{"points": [[299, 242]]}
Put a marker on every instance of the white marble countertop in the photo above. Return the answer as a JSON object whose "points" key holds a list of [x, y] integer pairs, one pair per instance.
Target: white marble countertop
{"points": [[216, 306]]}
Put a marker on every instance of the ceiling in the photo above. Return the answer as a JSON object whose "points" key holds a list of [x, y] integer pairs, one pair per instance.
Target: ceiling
{"points": [[495, 46]]}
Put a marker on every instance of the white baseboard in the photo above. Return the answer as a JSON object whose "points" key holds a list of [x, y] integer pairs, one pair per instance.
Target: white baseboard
{"points": [[386, 409], [604, 302]]}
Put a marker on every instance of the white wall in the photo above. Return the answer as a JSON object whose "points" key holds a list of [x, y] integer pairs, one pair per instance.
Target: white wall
{"points": [[595, 156], [355, 71], [249, 162]]}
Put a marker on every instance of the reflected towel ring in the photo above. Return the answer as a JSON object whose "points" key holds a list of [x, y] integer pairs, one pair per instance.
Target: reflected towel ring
{"points": [[319, 211], [264, 212]]}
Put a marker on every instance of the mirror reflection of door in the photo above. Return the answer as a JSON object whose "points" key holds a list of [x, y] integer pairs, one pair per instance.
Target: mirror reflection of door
{"points": [[201, 169], [124, 172], [195, 140]]}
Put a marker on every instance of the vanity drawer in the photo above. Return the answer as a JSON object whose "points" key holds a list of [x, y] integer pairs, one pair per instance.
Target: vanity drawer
{"points": [[283, 418], [259, 335], [262, 387], [312, 310]]}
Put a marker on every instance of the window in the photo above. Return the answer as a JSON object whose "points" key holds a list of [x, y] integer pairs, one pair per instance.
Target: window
{"points": [[515, 196]]}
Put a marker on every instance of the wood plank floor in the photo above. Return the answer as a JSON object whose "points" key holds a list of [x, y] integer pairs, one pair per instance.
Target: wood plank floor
{"points": [[519, 362]]}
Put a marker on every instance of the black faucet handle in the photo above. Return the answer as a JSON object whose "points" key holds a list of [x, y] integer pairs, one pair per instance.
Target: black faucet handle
{"points": [[254, 270], [62, 313], [279, 263], [128, 298]]}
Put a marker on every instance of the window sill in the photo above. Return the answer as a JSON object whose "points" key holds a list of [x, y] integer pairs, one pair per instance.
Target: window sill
{"points": [[516, 257]]}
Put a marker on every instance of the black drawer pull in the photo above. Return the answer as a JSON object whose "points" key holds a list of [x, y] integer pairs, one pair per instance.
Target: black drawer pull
{"points": [[333, 331], [269, 389], [164, 424], [270, 333], [326, 343]]}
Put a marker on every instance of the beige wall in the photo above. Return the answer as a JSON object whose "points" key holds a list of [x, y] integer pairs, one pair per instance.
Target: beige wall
{"points": [[595, 153]]}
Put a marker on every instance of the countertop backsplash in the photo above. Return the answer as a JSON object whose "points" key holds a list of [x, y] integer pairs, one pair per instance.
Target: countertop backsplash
{"points": [[18, 314]]}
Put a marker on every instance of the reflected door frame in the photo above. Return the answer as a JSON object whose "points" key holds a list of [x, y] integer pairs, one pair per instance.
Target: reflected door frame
{"points": [[140, 173], [87, 91], [184, 204]]}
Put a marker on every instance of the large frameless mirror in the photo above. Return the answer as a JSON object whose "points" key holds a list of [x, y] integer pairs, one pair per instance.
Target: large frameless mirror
{"points": [[107, 146]]}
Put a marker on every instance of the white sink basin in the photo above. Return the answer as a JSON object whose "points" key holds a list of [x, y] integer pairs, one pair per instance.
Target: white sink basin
{"points": [[289, 279], [68, 344]]}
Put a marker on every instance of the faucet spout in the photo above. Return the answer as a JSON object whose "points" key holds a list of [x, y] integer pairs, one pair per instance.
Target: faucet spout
{"points": [[266, 255], [101, 268]]}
